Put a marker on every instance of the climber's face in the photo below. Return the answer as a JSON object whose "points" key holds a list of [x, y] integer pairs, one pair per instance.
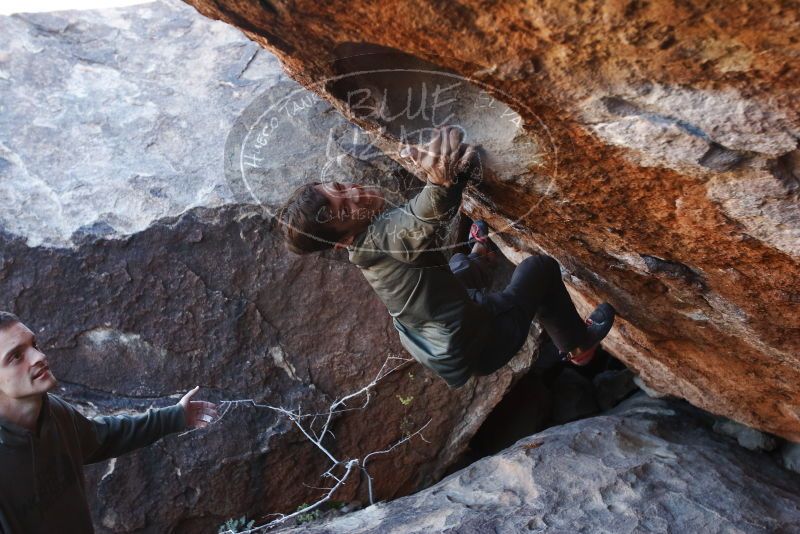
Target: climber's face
{"points": [[24, 371], [351, 207]]}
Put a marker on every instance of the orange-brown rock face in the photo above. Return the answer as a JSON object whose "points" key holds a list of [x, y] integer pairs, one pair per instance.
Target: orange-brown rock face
{"points": [[652, 147]]}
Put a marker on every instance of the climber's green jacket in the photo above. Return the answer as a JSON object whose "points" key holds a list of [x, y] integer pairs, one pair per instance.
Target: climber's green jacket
{"points": [[43, 489], [398, 254]]}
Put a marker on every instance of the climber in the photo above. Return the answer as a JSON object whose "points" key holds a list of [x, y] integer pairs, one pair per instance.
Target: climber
{"points": [[44, 442], [445, 317]]}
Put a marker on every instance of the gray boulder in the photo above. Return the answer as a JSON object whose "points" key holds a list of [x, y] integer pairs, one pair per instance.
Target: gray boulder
{"points": [[747, 437], [790, 456]]}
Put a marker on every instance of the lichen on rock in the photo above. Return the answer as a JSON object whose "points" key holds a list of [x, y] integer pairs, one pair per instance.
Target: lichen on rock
{"points": [[668, 130]]}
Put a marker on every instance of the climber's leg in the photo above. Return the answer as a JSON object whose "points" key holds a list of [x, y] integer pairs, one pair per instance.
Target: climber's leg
{"points": [[475, 270], [536, 289]]}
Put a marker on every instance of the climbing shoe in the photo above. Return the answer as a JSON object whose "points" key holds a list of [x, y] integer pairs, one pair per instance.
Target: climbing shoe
{"points": [[598, 325], [479, 233]]}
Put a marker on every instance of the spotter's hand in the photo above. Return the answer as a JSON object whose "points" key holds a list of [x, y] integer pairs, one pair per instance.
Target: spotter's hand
{"points": [[198, 413]]}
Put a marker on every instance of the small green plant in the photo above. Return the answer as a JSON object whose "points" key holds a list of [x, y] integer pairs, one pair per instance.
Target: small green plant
{"points": [[405, 401], [308, 517], [236, 525]]}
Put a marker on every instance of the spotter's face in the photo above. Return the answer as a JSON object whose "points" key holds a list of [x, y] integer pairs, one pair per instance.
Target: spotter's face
{"points": [[24, 371]]}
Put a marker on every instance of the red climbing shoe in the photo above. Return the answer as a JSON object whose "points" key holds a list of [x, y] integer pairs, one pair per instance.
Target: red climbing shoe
{"points": [[599, 325], [479, 233]]}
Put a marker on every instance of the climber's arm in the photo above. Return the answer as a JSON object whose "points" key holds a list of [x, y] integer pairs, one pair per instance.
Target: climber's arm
{"points": [[447, 164]]}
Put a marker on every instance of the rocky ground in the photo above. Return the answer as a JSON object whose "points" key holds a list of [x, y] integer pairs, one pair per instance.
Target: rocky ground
{"points": [[648, 466]]}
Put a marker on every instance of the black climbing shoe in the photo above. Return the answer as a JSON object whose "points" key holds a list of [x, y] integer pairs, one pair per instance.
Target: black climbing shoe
{"points": [[598, 326]]}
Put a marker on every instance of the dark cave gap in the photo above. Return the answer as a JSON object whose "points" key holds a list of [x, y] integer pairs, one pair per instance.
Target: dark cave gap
{"points": [[552, 393]]}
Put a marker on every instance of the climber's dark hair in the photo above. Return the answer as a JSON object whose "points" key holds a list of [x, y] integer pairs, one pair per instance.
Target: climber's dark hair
{"points": [[7, 319], [305, 218]]}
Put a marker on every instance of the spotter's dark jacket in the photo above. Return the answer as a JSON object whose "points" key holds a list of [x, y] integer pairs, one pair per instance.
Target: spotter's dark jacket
{"points": [[41, 473]]}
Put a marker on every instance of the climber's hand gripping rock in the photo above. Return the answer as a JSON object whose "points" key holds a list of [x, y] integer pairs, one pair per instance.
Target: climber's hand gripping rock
{"points": [[445, 160]]}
